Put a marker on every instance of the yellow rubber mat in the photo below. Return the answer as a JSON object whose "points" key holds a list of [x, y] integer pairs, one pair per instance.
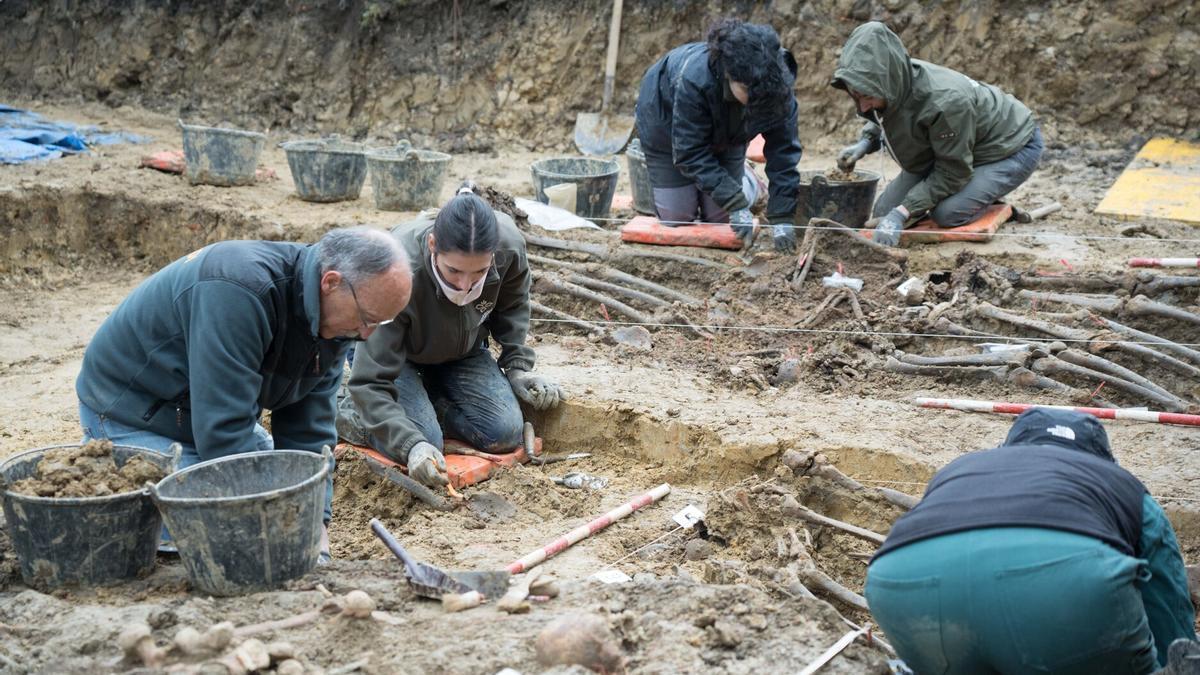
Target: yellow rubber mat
{"points": [[1162, 181]]}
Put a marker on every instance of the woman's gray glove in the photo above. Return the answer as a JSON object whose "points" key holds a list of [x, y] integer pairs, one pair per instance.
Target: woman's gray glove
{"points": [[742, 223], [427, 465], [535, 390]]}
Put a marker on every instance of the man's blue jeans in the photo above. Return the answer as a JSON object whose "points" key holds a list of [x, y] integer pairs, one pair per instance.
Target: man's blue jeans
{"points": [[97, 426], [989, 182]]}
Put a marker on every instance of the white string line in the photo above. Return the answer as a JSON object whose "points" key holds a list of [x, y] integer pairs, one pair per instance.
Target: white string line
{"points": [[1048, 235], [830, 331], [909, 482], [643, 546]]}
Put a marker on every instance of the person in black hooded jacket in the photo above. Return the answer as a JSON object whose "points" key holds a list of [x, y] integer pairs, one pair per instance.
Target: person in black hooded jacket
{"points": [[1041, 555], [699, 106]]}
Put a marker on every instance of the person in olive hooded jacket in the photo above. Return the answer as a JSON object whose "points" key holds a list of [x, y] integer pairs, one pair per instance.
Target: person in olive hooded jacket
{"points": [[428, 374], [961, 144]]}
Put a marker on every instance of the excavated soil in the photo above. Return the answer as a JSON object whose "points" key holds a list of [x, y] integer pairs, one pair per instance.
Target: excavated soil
{"points": [[498, 85], [88, 470]]}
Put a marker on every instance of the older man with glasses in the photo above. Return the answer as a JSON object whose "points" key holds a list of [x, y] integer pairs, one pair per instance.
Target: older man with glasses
{"points": [[197, 351]]}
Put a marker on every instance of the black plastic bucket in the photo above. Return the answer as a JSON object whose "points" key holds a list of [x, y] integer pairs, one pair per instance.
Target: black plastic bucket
{"points": [[81, 540], [247, 522], [404, 179], [847, 202], [223, 157], [326, 170], [639, 179], [595, 182]]}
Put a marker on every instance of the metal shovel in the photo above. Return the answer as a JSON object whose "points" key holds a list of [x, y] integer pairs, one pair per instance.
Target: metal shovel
{"points": [[430, 582], [604, 133]]}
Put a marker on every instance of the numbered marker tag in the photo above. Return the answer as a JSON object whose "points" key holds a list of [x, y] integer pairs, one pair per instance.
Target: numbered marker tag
{"points": [[611, 576], [688, 517]]}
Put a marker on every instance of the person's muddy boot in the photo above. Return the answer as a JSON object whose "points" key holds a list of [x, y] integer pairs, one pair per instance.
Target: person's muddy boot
{"points": [[1183, 658], [349, 425]]}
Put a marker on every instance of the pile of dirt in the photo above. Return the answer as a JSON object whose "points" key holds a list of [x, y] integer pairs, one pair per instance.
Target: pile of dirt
{"points": [[469, 76], [88, 470]]}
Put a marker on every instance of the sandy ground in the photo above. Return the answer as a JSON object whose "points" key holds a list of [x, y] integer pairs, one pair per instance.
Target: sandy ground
{"points": [[647, 419]]}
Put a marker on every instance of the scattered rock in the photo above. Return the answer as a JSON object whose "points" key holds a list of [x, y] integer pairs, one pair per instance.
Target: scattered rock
{"points": [[580, 639], [697, 549], [633, 337], [725, 634], [788, 372]]}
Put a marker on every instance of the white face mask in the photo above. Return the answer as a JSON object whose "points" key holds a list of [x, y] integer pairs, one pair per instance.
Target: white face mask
{"points": [[460, 298]]}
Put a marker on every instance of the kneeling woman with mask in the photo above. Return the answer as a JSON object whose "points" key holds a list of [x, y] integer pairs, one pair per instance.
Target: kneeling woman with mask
{"points": [[428, 375]]}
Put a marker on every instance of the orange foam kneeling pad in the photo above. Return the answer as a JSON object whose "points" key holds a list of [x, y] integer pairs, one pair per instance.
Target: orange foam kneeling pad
{"points": [[647, 230], [463, 470], [981, 229]]}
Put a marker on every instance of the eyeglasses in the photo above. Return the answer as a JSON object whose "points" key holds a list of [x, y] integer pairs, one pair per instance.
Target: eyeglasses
{"points": [[369, 325]]}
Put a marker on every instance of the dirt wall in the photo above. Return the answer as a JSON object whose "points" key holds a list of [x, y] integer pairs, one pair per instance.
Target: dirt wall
{"points": [[467, 74]]}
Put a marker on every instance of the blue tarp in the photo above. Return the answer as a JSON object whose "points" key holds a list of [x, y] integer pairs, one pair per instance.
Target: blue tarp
{"points": [[26, 136]]}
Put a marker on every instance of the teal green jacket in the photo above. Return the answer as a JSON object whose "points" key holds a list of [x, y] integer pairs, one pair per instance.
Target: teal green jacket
{"points": [[938, 123], [198, 350]]}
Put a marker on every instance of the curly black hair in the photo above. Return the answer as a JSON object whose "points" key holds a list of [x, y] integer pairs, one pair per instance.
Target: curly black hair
{"points": [[751, 54]]}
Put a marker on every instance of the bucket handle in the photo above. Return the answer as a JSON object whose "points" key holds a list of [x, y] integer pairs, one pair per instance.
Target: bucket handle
{"points": [[327, 454], [152, 489], [820, 180]]}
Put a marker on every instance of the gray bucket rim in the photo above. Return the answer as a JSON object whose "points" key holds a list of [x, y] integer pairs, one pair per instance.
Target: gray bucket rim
{"points": [[613, 164], [396, 155], [325, 457], [76, 501], [319, 147], [225, 130], [870, 177]]}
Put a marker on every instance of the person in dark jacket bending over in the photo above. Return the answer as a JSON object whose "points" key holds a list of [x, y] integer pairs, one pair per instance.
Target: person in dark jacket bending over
{"points": [[429, 374], [197, 351], [961, 144], [697, 108], [1041, 555]]}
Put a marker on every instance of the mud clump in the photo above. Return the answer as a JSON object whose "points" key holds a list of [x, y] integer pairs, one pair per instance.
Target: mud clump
{"points": [[839, 176], [88, 470]]}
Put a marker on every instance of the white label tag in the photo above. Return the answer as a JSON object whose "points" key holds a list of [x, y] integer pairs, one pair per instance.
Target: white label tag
{"points": [[688, 517], [612, 576]]}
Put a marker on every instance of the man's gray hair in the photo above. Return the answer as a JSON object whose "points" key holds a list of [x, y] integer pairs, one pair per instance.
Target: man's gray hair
{"points": [[359, 253]]}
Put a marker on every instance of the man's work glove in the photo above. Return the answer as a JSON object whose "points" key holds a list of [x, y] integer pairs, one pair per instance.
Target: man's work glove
{"points": [[850, 154], [742, 222], [427, 465], [784, 234], [535, 390], [887, 228]]}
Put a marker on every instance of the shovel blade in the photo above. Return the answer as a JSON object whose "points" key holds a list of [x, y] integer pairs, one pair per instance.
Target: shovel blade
{"points": [[602, 133]]}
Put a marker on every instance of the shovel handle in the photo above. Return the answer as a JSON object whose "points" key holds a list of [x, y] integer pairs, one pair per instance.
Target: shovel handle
{"points": [[610, 60], [394, 546]]}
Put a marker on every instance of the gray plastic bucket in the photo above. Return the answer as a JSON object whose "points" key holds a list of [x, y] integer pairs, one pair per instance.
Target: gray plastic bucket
{"points": [[846, 202], [81, 540], [405, 179], [247, 522], [224, 157], [639, 179], [595, 182], [326, 170]]}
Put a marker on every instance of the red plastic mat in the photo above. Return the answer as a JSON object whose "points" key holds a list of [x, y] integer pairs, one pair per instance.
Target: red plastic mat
{"points": [[979, 230], [463, 470], [647, 230]]}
